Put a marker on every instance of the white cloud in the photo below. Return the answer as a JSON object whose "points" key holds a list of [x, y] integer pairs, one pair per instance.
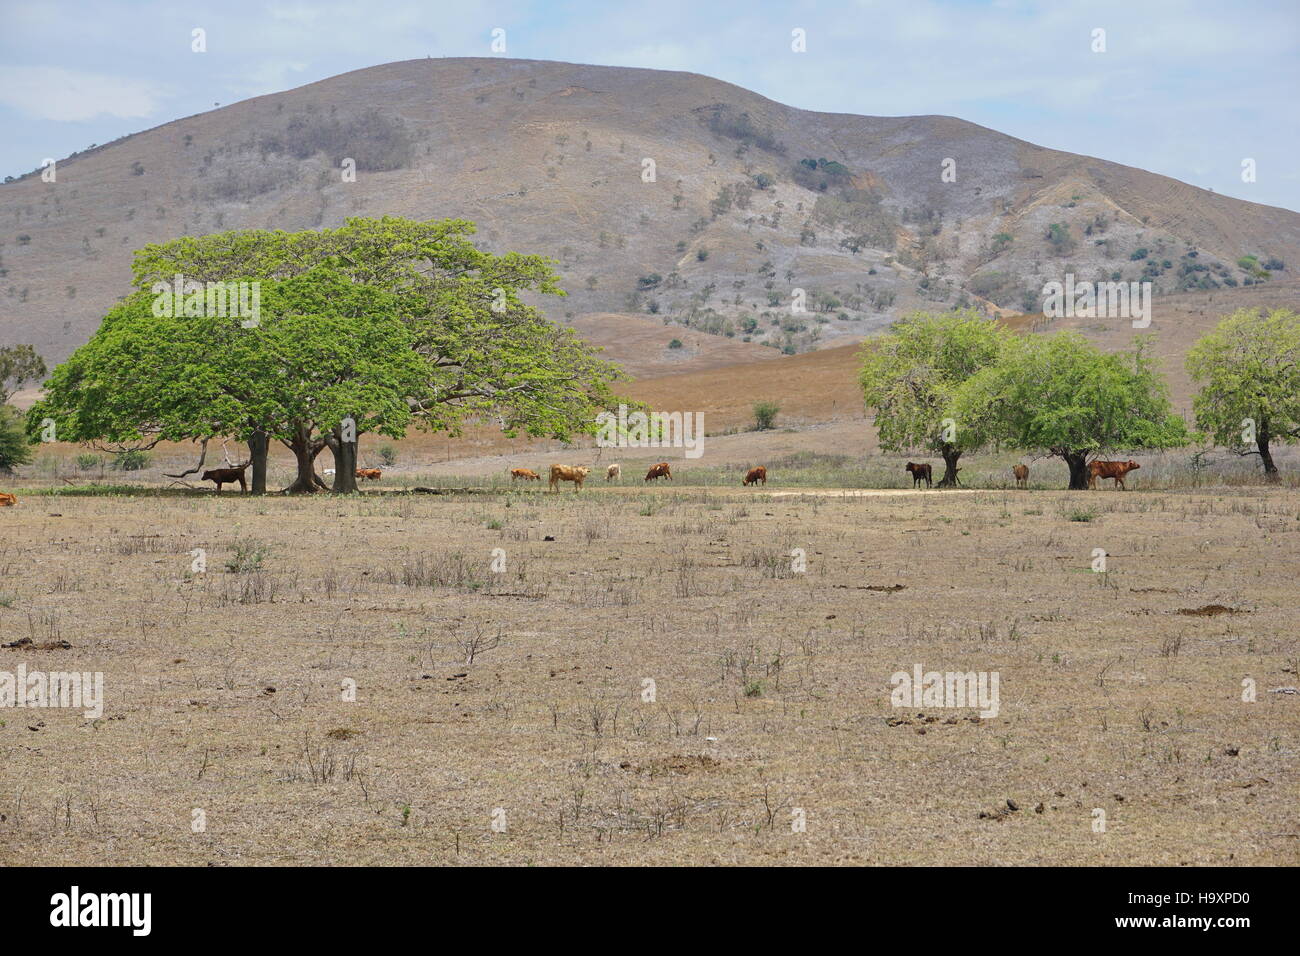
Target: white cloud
{"points": [[55, 93]]}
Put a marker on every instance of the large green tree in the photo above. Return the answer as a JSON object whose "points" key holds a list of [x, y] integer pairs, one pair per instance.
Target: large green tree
{"points": [[1248, 370], [325, 349], [484, 352], [910, 374], [1058, 395]]}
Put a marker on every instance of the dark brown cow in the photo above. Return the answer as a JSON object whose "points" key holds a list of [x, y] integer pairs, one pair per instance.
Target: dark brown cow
{"points": [[755, 476], [920, 472], [660, 470], [222, 476], [1110, 469], [525, 473], [374, 474], [1022, 475]]}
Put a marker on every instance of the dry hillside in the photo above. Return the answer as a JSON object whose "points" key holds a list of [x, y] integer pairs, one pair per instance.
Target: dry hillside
{"points": [[751, 200]]}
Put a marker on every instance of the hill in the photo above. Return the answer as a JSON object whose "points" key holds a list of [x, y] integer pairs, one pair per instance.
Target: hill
{"points": [[751, 203]]}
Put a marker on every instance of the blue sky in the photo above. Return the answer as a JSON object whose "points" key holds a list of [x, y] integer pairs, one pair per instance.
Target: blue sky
{"points": [[1187, 89]]}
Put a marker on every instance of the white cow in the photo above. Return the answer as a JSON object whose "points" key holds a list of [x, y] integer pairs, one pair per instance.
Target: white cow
{"points": [[613, 472]]}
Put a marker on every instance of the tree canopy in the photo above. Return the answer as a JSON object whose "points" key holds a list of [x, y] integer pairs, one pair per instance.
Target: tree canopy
{"points": [[381, 323], [1248, 370], [324, 349], [1060, 396], [910, 374]]}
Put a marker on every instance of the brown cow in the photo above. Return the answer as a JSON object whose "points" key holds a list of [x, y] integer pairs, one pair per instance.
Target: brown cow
{"points": [[1110, 469], [1022, 475], [7, 500], [660, 470], [755, 476], [920, 472], [222, 476], [525, 473], [374, 474], [571, 473]]}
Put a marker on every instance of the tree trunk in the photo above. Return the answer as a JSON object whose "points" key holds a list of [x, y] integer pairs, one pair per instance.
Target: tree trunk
{"points": [[345, 464], [1078, 464], [307, 481], [1262, 440], [950, 469], [258, 448]]}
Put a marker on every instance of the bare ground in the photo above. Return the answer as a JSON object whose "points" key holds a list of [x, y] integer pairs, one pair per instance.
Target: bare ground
{"points": [[224, 689]]}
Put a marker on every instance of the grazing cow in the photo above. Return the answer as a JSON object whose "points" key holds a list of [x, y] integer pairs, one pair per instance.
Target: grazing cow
{"points": [[613, 473], [1022, 475], [373, 474], [7, 500], [920, 472], [526, 474], [571, 473], [755, 476], [660, 470], [1110, 469], [222, 476]]}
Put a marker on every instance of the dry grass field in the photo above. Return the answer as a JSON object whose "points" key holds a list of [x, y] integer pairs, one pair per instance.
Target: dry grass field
{"points": [[519, 697]]}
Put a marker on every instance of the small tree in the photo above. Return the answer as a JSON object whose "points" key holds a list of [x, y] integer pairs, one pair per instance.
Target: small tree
{"points": [[18, 364], [910, 374], [14, 449], [765, 415], [1061, 396], [1248, 369]]}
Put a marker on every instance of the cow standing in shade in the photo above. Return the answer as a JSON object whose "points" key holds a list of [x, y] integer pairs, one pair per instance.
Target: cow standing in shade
{"points": [[920, 473]]}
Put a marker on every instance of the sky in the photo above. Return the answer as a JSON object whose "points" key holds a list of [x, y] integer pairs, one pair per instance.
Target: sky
{"points": [[1187, 89]]}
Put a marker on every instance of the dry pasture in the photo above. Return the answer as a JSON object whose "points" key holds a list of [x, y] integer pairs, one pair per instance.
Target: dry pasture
{"points": [[519, 698]]}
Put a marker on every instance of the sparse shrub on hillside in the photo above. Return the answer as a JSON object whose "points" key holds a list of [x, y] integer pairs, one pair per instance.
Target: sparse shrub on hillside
{"points": [[702, 253], [248, 182], [765, 413], [388, 455], [821, 175], [726, 121], [1000, 288], [1059, 238], [675, 344], [860, 212], [89, 461], [376, 141]]}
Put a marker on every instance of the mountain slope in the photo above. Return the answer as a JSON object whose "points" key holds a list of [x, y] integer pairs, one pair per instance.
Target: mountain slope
{"points": [[549, 158]]}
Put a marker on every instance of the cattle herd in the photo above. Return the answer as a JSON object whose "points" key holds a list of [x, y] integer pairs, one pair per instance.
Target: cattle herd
{"points": [[1115, 470]]}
